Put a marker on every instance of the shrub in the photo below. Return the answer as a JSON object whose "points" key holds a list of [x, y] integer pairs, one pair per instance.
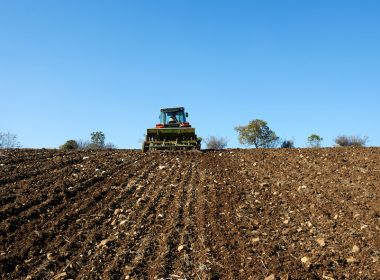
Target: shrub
{"points": [[342, 141], [287, 144], [109, 146], [83, 144], [70, 145], [347, 141], [215, 143]]}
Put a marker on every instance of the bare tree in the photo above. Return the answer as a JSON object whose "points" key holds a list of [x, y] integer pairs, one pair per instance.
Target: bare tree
{"points": [[8, 141], [83, 144]]}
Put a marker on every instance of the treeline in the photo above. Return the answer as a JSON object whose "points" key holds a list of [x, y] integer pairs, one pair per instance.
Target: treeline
{"points": [[258, 134], [97, 141]]}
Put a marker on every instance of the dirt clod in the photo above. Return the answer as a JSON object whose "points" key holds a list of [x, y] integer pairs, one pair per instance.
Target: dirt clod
{"points": [[321, 242], [355, 249]]}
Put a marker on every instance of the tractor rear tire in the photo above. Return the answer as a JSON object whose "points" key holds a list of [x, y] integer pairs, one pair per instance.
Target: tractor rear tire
{"points": [[144, 147]]}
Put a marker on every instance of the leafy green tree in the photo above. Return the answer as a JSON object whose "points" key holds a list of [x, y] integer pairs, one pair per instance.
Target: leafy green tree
{"points": [[314, 141], [257, 133], [97, 140]]}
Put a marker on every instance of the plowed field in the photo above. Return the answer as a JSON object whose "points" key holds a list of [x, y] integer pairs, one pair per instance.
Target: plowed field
{"points": [[236, 214]]}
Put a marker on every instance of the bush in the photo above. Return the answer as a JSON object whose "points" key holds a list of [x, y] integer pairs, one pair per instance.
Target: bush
{"points": [[349, 141], [70, 145], [215, 143], [287, 144], [83, 144], [93, 146], [109, 146]]}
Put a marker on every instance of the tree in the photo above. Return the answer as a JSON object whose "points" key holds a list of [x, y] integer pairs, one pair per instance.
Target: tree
{"points": [[287, 144], [314, 141], [70, 145], [215, 143], [257, 133], [8, 141], [347, 141], [97, 140]]}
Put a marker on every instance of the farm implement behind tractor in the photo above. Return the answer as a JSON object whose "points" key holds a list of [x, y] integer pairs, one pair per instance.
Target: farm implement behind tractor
{"points": [[172, 133]]}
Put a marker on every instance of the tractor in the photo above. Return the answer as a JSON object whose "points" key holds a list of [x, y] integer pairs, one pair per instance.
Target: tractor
{"points": [[172, 133]]}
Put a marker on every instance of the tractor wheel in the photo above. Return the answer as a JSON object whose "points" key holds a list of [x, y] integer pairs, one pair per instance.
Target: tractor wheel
{"points": [[144, 147]]}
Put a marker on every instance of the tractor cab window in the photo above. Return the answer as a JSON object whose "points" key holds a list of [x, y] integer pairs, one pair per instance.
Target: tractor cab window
{"points": [[173, 117]]}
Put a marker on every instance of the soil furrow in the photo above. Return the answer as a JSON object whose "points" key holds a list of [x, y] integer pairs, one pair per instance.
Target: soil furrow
{"points": [[63, 222], [89, 216], [138, 257], [142, 203], [233, 214]]}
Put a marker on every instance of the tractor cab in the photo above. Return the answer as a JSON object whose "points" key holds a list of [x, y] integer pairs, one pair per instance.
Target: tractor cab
{"points": [[173, 117]]}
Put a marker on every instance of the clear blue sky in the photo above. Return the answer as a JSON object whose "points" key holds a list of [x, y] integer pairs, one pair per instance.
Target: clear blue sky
{"points": [[71, 67]]}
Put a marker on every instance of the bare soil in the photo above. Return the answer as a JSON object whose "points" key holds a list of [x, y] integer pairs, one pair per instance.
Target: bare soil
{"points": [[234, 214]]}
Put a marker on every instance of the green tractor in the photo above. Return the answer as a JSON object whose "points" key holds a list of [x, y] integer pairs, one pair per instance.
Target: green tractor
{"points": [[172, 133]]}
